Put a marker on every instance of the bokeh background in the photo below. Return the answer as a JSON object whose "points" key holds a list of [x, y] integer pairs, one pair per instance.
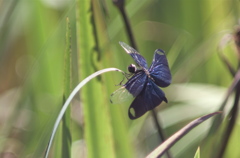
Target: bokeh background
{"points": [[35, 37]]}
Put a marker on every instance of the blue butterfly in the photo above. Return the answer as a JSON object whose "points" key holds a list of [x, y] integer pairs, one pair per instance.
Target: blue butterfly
{"points": [[143, 85]]}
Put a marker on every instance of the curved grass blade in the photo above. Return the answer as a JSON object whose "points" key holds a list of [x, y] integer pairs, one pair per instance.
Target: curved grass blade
{"points": [[69, 99], [161, 149]]}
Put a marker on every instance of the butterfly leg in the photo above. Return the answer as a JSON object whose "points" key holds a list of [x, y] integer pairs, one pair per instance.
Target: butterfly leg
{"points": [[126, 75]]}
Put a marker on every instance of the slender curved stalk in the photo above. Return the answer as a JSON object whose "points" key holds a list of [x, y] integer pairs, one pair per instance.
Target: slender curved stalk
{"points": [[230, 126], [69, 99], [232, 120], [218, 119], [162, 148]]}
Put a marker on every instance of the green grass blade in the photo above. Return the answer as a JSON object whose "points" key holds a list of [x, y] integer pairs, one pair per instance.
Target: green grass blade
{"points": [[69, 99], [161, 149], [98, 133], [66, 135], [64, 138]]}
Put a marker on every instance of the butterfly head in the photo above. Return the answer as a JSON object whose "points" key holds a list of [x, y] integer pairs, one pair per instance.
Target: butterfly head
{"points": [[132, 68]]}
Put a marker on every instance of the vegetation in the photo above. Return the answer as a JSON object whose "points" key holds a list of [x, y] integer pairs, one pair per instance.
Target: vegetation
{"points": [[47, 47]]}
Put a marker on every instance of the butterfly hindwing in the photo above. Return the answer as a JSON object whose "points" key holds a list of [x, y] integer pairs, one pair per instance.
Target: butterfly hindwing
{"points": [[135, 55], [150, 97], [159, 70]]}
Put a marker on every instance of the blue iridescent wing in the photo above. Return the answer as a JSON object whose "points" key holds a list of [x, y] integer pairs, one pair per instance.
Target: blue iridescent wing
{"points": [[150, 97], [159, 69], [135, 55], [136, 83], [131, 89]]}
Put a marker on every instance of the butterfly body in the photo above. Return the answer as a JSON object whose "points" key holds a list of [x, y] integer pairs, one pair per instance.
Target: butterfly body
{"points": [[143, 85]]}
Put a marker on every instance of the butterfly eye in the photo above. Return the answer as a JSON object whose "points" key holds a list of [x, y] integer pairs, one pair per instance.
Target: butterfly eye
{"points": [[132, 68]]}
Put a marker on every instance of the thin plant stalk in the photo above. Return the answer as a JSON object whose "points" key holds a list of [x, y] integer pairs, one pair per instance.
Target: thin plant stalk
{"points": [[120, 5], [233, 118], [128, 27], [165, 146], [234, 111]]}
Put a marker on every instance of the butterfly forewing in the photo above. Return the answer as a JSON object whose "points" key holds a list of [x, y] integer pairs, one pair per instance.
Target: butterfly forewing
{"points": [[135, 55], [159, 70]]}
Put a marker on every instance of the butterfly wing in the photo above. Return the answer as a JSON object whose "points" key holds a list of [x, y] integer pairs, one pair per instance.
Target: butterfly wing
{"points": [[131, 89], [159, 70], [150, 97], [136, 83], [121, 95], [135, 55]]}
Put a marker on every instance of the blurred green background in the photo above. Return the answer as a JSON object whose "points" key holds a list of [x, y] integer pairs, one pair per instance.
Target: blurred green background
{"points": [[35, 73]]}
